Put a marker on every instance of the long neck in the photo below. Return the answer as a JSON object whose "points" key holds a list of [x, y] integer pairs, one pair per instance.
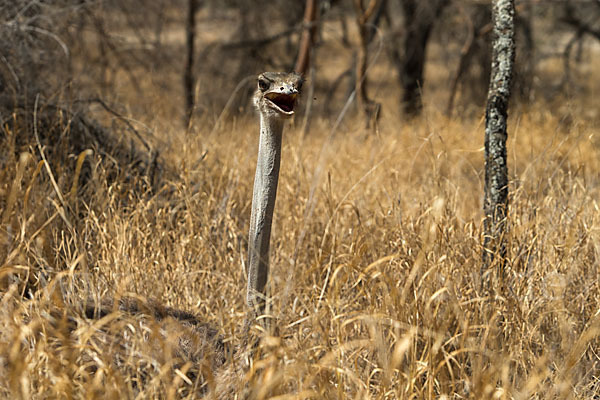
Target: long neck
{"points": [[263, 203]]}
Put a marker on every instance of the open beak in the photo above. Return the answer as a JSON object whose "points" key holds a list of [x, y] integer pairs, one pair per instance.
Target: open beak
{"points": [[284, 103]]}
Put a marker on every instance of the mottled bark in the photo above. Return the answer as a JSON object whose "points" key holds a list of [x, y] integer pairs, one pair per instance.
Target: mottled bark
{"points": [[496, 172]]}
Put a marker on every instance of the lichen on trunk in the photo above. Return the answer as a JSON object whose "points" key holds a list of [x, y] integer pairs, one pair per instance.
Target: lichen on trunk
{"points": [[495, 202]]}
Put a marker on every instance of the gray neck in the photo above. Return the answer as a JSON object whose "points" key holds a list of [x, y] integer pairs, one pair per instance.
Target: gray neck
{"points": [[263, 203]]}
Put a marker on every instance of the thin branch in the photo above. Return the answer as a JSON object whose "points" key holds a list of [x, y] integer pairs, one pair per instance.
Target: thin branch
{"points": [[269, 39], [53, 36], [464, 52], [121, 118], [12, 71], [571, 20]]}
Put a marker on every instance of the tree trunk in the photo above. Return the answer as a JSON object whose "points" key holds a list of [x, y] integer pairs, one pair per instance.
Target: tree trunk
{"points": [[412, 67], [188, 75], [303, 62], [419, 17], [495, 201], [475, 52], [369, 108], [308, 37]]}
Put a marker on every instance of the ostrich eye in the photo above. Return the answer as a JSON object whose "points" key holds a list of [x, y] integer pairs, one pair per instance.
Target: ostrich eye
{"points": [[263, 84]]}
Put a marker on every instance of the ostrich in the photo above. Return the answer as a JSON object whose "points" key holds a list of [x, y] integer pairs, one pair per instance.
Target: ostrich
{"points": [[191, 339], [275, 99]]}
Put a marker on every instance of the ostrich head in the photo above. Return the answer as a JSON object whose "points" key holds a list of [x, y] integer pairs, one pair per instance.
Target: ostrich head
{"points": [[276, 93]]}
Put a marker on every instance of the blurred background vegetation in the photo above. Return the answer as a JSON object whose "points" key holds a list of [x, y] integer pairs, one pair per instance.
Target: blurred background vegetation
{"points": [[438, 50]]}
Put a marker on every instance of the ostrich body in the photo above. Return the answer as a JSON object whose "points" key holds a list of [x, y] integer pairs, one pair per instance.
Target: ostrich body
{"points": [[275, 99]]}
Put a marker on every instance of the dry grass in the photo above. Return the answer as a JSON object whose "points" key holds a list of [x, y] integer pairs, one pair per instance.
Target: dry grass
{"points": [[375, 259], [375, 268]]}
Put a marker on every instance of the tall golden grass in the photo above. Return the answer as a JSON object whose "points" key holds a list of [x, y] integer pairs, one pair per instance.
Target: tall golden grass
{"points": [[375, 260]]}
